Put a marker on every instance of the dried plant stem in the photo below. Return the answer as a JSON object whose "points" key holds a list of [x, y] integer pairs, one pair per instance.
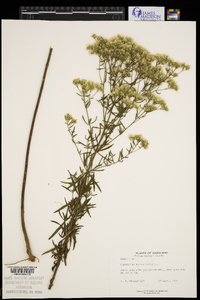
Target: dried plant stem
{"points": [[28, 246], [55, 272]]}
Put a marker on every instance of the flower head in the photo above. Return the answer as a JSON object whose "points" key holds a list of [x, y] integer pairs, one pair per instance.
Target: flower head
{"points": [[138, 139], [69, 119], [123, 91], [154, 102], [86, 86], [127, 102], [172, 84], [120, 47]]}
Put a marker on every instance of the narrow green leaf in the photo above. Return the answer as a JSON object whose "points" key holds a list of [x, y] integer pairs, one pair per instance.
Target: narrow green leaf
{"points": [[84, 120], [105, 148], [49, 250], [92, 122], [67, 188], [55, 222], [96, 183], [62, 207], [55, 232], [81, 143]]}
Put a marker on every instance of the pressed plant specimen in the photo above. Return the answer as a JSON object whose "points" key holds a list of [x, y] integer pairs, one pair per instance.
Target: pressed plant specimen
{"points": [[130, 83]]}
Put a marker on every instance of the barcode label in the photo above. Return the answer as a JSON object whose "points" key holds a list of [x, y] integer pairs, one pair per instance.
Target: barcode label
{"points": [[21, 270]]}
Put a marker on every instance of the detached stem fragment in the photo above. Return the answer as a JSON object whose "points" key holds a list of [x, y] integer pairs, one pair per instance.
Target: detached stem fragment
{"points": [[28, 246]]}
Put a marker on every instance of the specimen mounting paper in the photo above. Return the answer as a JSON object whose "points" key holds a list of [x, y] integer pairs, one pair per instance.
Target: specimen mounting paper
{"points": [[147, 203]]}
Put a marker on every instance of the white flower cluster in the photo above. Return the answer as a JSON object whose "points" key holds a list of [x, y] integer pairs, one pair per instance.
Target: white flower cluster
{"points": [[70, 119], [87, 85], [129, 56], [138, 139]]}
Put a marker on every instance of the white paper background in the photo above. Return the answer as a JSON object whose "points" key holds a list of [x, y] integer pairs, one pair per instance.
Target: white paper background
{"points": [[148, 201]]}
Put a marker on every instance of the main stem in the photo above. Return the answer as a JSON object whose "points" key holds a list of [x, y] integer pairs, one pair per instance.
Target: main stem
{"points": [[28, 246], [55, 272]]}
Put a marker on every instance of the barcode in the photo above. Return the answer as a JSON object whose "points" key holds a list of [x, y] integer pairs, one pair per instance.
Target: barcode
{"points": [[22, 270]]}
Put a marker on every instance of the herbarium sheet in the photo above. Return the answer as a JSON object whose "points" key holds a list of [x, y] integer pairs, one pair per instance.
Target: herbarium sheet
{"points": [[128, 217]]}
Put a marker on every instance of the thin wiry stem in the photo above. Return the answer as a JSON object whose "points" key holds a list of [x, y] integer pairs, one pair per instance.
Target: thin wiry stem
{"points": [[28, 246]]}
